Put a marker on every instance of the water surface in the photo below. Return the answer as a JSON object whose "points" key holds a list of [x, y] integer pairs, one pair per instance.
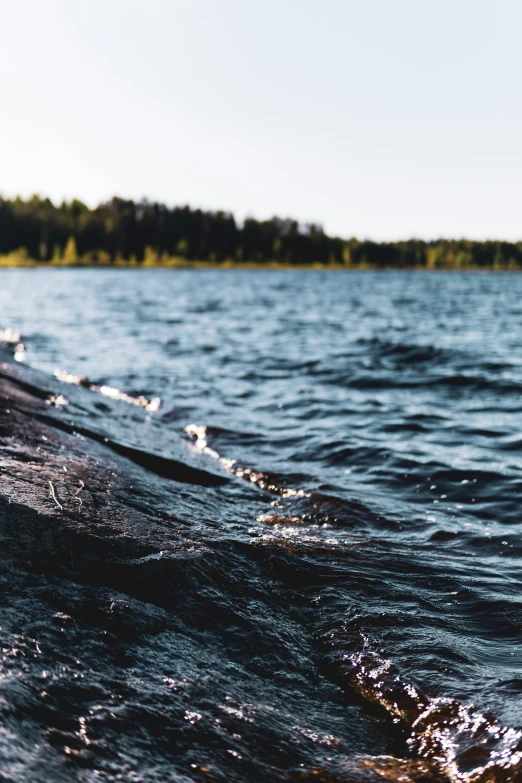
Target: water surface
{"points": [[377, 420]]}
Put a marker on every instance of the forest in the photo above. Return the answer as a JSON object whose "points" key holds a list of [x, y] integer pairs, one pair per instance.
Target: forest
{"points": [[123, 232]]}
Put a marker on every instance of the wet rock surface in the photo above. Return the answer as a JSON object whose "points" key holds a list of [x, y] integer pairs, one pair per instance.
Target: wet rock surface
{"points": [[144, 636]]}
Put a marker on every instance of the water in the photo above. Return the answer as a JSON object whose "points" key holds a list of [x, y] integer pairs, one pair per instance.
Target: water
{"points": [[372, 581]]}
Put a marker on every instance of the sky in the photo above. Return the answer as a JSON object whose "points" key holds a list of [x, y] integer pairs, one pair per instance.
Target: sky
{"points": [[381, 119]]}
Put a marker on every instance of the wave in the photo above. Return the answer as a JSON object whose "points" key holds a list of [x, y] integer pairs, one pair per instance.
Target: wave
{"points": [[470, 746], [466, 744]]}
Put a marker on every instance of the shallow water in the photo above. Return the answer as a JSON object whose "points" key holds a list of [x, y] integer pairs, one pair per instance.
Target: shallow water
{"points": [[377, 420]]}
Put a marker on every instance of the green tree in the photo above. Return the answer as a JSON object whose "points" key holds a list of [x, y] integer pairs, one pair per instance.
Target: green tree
{"points": [[70, 253]]}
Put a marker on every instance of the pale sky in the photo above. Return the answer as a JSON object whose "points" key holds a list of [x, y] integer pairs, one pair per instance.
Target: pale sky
{"points": [[377, 118]]}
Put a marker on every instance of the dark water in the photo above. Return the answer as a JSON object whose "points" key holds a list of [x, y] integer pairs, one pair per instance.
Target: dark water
{"points": [[364, 583]]}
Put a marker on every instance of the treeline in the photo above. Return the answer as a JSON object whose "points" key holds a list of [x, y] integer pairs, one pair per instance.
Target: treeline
{"points": [[145, 233]]}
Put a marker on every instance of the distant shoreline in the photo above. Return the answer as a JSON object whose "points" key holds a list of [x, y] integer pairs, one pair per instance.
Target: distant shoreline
{"points": [[28, 263], [122, 233]]}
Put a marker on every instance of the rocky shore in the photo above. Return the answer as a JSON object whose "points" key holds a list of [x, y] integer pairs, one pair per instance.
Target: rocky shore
{"points": [[143, 635]]}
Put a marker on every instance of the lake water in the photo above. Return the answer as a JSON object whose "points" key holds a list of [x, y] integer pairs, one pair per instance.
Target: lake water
{"points": [[377, 419]]}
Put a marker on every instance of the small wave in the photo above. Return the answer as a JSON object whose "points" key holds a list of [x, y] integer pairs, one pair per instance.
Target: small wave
{"points": [[471, 747], [265, 481], [11, 338], [9, 335], [152, 406], [408, 354]]}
